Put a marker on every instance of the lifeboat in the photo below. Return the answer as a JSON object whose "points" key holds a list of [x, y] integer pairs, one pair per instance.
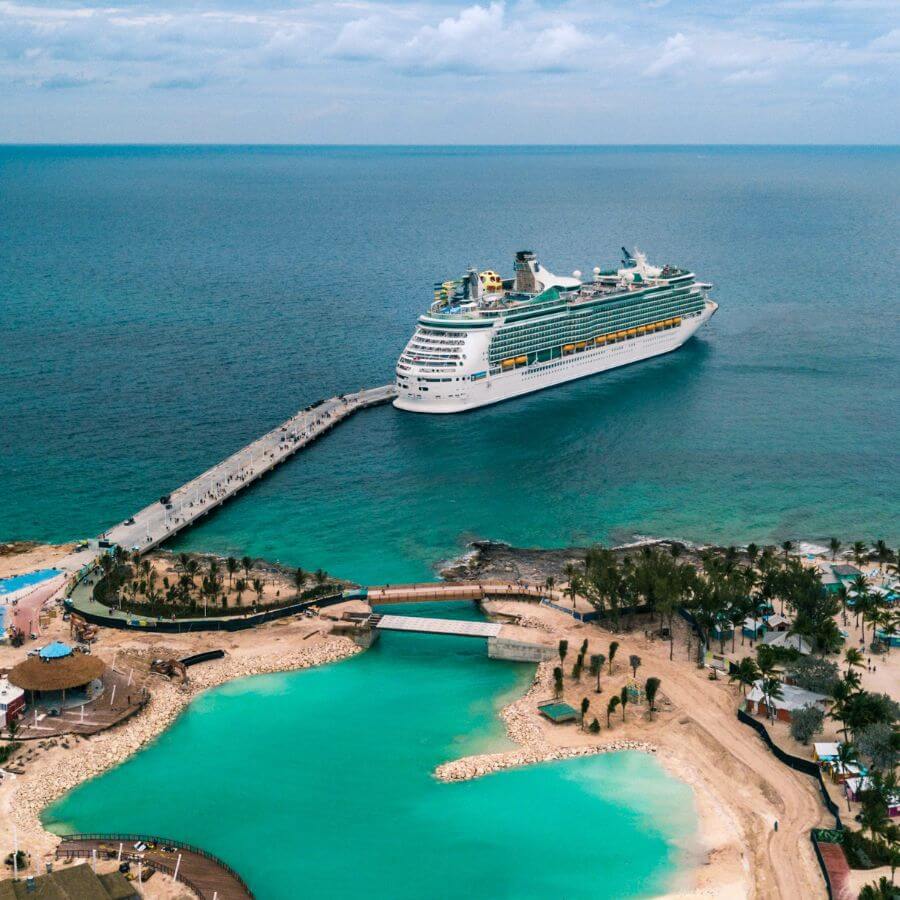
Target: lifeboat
{"points": [[621, 335], [600, 340], [581, 345], [676, 320], [507, 363], [521, 360], [568, 348], [642, 329], [631, 332]]}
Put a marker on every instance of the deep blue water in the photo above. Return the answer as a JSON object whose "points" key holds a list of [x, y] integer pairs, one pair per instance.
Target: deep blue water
{"points": [[161, 306]]}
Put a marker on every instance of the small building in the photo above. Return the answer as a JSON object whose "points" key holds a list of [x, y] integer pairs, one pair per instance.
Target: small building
{"points": [[721, 630], [830, 581], [846, 572], [854, 787], [58, 677], [825, 752], [753, 628], [792, 698], [786, 641], [12, 702], [558, 712], [778, 622]]}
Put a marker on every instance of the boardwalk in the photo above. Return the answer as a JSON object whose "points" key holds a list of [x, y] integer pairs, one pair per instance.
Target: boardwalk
{"points": [[158, 522], [201, 871]]}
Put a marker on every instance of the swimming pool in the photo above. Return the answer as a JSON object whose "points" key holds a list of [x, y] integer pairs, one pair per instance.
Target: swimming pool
{"points": [[17, 582]]}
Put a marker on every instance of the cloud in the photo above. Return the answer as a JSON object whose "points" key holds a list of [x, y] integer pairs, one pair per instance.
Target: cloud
{"points": [[63, 82], [478, 40], [676, 50], [183, 83]]}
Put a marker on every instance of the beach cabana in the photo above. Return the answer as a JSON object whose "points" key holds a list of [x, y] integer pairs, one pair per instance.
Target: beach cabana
{"points": [[846, 572], [787, 641], [778, 622], [753, 628], [825, 752], [854, 787], [721, 630], [792, 698], [59, 679], [12, 702]]}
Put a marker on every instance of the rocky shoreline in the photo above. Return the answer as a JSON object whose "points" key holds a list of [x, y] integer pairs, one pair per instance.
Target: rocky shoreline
{"points": [[46, 780], [522, 728]]}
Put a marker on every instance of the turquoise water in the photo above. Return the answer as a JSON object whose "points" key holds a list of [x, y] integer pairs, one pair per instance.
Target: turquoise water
{"points": [[318, 783], [164, 305], [16, 582]]}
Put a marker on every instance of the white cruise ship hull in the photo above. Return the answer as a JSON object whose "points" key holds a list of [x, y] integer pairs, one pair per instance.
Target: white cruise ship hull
{"points": [[461, 394]]}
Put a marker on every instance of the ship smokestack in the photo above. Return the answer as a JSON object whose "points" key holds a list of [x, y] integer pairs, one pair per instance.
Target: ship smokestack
{"points": [[524, 268]]}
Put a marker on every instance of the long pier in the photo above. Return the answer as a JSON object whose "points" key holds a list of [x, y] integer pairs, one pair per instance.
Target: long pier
{"points": [[159, 521]]}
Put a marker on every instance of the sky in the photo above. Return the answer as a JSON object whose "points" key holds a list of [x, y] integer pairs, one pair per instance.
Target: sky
{"points": [[505, 72]]}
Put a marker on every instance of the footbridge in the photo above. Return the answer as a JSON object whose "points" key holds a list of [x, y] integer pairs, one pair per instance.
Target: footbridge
{"points": [[422, 625], [172, 513]]}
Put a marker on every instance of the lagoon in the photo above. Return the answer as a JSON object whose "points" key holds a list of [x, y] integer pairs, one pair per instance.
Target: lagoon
{"points": [[319, 782]]}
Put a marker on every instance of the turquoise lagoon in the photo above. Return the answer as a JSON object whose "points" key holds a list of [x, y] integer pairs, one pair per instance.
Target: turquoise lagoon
{"points": [[318, 783]]}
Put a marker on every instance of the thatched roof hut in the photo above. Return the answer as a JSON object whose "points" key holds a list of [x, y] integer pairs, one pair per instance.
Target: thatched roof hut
{"points": [[36, 674]]}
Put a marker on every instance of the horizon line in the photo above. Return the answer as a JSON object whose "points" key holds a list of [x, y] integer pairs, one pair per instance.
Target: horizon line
{"points": [[435, 145]]}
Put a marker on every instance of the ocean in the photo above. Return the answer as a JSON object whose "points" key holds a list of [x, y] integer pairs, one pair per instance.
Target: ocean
{"points": [[163, 305]]}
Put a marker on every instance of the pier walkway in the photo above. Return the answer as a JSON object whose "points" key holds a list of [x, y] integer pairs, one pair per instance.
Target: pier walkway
{"points": [[158, 521], [204, 873]]}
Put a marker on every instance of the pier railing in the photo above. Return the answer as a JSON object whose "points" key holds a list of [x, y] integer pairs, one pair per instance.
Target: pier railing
{"points": [[151, 839]]}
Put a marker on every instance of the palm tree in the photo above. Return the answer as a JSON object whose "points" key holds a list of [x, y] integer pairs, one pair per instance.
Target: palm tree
{"points": [[613, 646], [572, 579], [860, 551], [231, 564], [321, 576], [635, 662], [853, 658], [880, 890], [562, 649], [651, 688], [597, 661], [883, 553], [299, 579], [558, 681], [771, 689], [745, 673], [258, 587], [549, 581], [611, 708], [787, 546], [834, 545], [623, 700], [239, 587], [246, 565], [752, 553], [585, 703]]}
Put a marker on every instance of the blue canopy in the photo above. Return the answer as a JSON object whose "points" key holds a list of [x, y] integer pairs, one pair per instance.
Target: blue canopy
{"points": [[56, 650]]}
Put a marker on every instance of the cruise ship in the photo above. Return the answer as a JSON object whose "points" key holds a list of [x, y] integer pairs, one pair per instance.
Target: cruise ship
{"points": [[486, 338]]}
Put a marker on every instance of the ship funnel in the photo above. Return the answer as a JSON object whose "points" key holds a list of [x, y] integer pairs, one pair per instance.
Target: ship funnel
{"points": [[525, 267]]}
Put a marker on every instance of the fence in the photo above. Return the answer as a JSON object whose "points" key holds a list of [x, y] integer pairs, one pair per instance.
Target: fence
{"points": [[222, 623], [807, 766], [152, 839], [202, 657]]}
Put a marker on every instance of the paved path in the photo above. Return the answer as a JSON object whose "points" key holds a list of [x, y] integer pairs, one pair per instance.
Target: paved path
{"points": [[206, 874], [156, 523]]}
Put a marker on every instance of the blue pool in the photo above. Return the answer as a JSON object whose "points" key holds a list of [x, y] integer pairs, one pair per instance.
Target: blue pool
{"points": [[17, 582]]}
